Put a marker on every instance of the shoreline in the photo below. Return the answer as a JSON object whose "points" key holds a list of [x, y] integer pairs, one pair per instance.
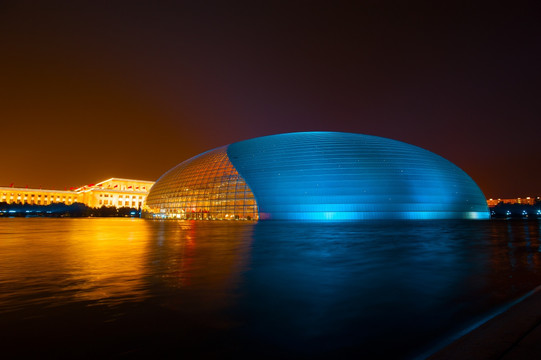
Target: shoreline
{"points": [[511, 332]]}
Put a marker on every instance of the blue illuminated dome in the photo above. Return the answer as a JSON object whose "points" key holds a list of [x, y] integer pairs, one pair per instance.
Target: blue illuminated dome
{"points": [[316, 176]]}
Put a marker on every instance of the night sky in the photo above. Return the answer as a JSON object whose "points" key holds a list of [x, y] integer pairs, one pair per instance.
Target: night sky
{"points": [[91, 90]]}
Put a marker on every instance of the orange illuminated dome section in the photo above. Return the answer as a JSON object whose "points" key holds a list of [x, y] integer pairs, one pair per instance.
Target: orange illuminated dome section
{"points": [[317, 176], [205, 187]]}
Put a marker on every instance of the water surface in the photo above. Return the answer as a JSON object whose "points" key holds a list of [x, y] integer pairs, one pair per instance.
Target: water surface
{"points": [[126, 287]]}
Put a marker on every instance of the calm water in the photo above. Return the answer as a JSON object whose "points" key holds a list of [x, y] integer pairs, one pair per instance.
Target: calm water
{"points": [[125, 287]]}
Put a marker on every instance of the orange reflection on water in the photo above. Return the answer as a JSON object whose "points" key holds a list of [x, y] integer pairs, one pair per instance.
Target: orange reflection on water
{"points": [[201, 255], [181, 265], [107, 260], [54, 261]]}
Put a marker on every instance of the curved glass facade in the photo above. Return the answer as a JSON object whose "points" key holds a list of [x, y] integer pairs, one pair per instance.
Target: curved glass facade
{"points": [[317, 176], [343, 176], [205, 187]]}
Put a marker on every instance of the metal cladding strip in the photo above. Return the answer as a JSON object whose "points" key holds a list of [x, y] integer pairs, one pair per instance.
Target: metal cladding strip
{"points": [[343, 176], [206, 186]]}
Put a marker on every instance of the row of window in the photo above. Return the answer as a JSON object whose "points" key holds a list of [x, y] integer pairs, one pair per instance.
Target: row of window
{"points": [[69, 201], [38, 201], [122, 196], [210, 216], [123, 187], [32, 195], [58, 199], [121, 203]]}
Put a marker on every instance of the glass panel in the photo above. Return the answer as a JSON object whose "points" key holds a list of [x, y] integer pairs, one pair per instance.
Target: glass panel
{"points": [[341, 176], [205, 187]]}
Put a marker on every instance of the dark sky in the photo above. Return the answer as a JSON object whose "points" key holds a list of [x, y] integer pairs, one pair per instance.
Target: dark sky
{"points": [[92, 90]]}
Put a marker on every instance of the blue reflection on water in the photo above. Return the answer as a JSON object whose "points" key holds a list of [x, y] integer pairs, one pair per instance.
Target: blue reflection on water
{"points": [[377, 289], [352, 288]]}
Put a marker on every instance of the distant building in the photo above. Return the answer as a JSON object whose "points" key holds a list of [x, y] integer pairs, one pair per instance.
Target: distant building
{"points": [[113, 192], [523, 201], [13, 195]]}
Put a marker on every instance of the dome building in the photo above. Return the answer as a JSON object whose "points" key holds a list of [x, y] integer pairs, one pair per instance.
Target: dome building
{"points": [[316, 176]]}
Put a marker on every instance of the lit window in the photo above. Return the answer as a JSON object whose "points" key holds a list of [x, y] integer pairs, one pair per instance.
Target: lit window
{"points": [[210, 188]]}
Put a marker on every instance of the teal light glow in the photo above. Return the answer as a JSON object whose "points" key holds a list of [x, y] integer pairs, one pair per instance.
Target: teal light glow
{"points": [[340, 176], [318, 176]]}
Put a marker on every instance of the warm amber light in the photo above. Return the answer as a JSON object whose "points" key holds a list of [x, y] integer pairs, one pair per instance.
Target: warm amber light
{"points": [[210, 188], [113, 192]]}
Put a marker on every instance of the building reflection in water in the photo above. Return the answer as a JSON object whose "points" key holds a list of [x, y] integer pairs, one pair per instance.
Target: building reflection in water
{"points": [[515, 254], [105, 260], [197, 265], [233, 287], [53, 262], [351, 289]]}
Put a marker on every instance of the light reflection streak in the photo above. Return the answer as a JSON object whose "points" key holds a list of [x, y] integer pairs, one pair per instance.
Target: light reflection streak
{"points": [[100, 261]]}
